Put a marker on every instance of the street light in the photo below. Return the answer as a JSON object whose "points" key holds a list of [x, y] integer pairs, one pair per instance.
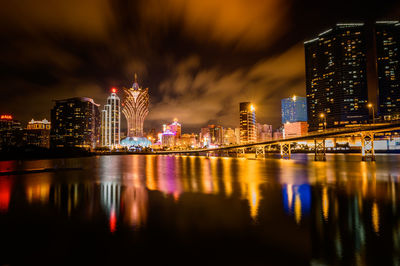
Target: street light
{"points": [[371, 106], [322, 115]]}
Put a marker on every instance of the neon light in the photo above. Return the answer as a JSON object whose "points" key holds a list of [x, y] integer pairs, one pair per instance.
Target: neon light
{"points": [[6, 117]]}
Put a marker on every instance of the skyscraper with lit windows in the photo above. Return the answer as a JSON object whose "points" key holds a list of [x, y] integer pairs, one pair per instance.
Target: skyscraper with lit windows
{"points": [[110, 121], [248, 133], [336, 76], [75, 122], [387, 36], [294, 109]]}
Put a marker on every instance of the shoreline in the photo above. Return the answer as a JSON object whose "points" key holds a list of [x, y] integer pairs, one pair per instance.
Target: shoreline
{"points": [[66, 155]]}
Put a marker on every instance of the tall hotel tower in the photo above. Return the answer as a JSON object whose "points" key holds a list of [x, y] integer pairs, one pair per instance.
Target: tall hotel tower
{"points": [[349, 67], [387, 36], [75, 122], [135, 108], [336, 76], [111, 121], [248, 132]]}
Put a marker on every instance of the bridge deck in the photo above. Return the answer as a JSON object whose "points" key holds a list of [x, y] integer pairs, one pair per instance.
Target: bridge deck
{"points": [[350, 131]]}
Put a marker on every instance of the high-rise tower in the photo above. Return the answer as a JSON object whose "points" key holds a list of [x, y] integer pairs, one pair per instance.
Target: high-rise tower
{"points": [[75, 122], [294, 109], [336, 76], [248, 132], [110, 121], [135, 108], [387, 36]]}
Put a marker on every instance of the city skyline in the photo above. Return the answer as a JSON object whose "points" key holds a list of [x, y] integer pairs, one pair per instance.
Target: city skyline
{"points": [[184, 70]]}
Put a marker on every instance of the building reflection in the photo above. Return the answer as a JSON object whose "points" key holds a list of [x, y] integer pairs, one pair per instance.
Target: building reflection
{"points": [[188, 174], [355, 221], [37, 188], [349, 210], [297, 200], [110, 201], [5, 193]]}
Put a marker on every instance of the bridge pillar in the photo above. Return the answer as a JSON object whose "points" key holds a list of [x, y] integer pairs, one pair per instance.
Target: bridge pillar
{"points": [[225, 153], [260, 152], [269, 148], [240, 152], [320, 150], [285, 150], [367, 146]]}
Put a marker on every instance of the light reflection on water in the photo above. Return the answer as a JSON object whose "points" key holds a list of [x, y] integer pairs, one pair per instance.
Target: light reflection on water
{"points": [[339, 211]]}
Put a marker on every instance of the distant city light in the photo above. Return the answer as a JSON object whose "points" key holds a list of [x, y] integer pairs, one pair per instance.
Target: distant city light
{"points": [[294, 98], [6, 117], [114, 90], [252, 108]]}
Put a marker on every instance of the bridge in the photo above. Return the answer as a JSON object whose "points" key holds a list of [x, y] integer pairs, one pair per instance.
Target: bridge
{"points": [[366, 132]]}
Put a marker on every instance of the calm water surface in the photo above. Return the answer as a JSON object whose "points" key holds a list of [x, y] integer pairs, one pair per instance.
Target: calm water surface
{"points": [[165, 210]]}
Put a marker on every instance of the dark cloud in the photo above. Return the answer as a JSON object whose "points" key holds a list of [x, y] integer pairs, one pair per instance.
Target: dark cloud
{"points": [[198, 58]]}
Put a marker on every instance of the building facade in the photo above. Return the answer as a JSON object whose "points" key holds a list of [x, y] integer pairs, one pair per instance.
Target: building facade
{"points": [[295, 129], [135, 108], [387, 36], [216, 133], [175, 128], [111, 121], [351, 67], [248, 133], [11, 133], [264, 132], [75, 123], [230, 136], [37, 133], [336, 76], [294, 109]]}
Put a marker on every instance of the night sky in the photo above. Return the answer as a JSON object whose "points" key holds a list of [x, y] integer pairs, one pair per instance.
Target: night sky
{"points": [[199, 58]]}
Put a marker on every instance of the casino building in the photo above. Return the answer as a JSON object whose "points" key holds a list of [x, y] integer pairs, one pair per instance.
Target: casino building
{"points": [[135, 108]]}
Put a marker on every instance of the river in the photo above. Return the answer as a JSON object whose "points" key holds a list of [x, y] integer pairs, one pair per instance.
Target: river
{"points": [[183, 210]]}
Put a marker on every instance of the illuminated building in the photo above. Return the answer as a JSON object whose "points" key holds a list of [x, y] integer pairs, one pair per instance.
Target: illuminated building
{"points": [[110, 121], [175, 128], [264, 132], [37, 133], [136, 143], [278, 134], [248, 133], [75, 123], [44, 124], [336, 76], [212, 135], [294, 109], [295, 129], [135, 108], [230, 137], [387, 35], [11, 132], [205, 136], [216, 134], [237, 134], [7, 122], [168, 139], [188, 141], [171, 134]]}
